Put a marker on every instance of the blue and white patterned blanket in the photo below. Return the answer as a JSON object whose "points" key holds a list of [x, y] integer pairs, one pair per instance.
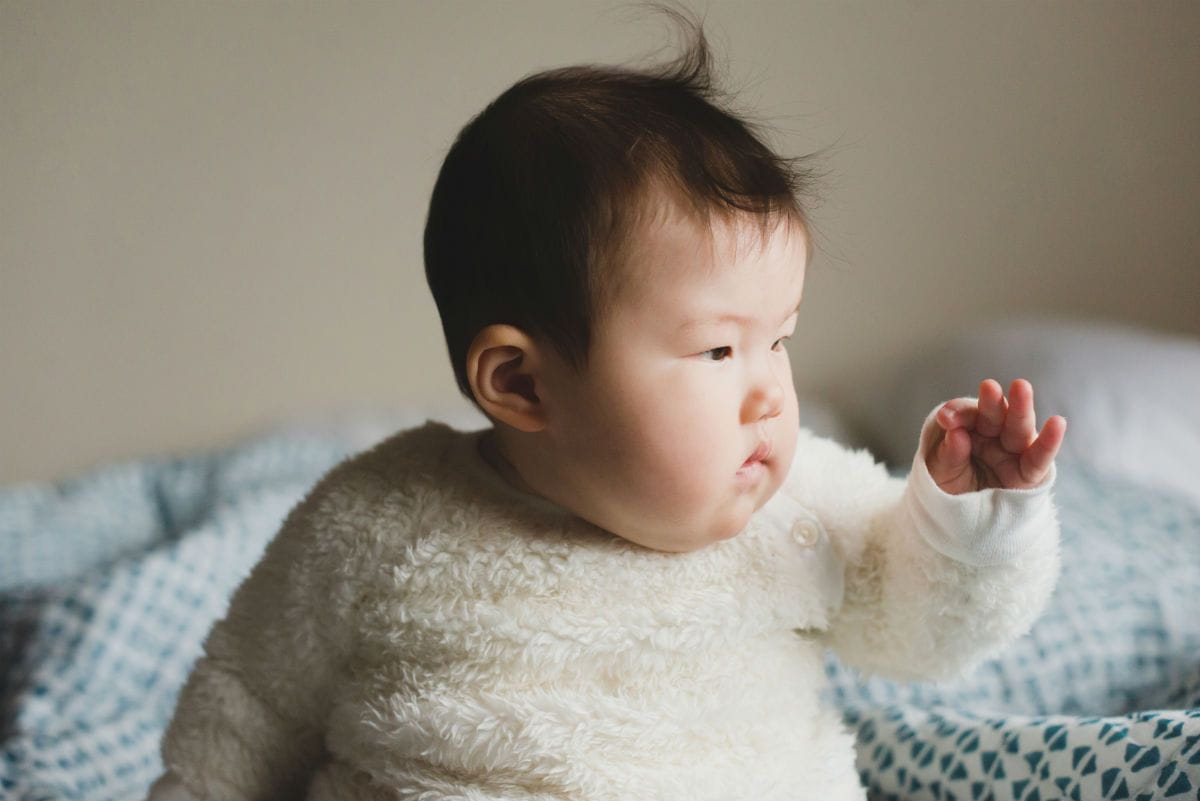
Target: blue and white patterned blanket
{"points": [[1100, 701], [109, 582]]}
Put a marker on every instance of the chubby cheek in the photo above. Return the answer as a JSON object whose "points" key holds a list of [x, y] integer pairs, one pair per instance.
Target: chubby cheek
{"points": [[782, 461], [789, 421], [682, 446], [786, 431]]}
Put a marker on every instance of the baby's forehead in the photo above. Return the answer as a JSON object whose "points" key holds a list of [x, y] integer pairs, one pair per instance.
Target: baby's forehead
{"points": [[672, 256], [678, 250], [679, 299]]}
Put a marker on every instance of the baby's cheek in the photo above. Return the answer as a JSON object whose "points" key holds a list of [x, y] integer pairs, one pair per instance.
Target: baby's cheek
{"points": [[787, 451]]}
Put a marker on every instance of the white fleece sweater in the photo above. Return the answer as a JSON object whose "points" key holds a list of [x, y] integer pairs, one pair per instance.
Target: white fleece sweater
{"points": [[421, 630]]}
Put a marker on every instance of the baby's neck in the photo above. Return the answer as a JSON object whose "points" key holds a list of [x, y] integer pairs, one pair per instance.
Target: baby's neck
{"points": [[489, 449]]}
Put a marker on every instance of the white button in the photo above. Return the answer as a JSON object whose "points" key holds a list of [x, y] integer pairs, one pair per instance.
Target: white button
{"points": [[804, 533]]}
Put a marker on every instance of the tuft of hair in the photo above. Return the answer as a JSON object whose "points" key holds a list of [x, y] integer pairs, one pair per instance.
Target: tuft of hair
{"points": [[542, 192]]}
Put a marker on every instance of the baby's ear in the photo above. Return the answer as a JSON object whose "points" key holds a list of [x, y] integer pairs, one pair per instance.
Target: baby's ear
{"points": [[503, 366]]}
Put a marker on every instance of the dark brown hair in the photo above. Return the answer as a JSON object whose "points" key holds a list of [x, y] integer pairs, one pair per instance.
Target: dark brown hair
{"points": [[541, 191]]}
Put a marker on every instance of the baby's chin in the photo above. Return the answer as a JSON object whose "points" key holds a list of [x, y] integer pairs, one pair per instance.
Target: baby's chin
{"points": [[718, 523], [737, 525], [694, 539]]}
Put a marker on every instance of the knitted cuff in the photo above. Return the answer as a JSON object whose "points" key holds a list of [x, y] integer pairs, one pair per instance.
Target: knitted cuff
{"points": [[985, 527]]}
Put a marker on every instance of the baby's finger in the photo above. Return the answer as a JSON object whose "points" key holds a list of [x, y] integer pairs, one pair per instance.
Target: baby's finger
{"points": [[960, 412], [949, 462], [1020, 426], [992, 408], [1036, 460]]}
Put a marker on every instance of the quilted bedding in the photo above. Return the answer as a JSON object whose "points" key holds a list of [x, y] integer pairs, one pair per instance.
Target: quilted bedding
{"points": [[110, 580], [1101, 700]]}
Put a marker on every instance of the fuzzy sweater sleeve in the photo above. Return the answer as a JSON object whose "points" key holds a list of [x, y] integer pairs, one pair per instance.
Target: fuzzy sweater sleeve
{"points": [[250, 720], [934, 583]]}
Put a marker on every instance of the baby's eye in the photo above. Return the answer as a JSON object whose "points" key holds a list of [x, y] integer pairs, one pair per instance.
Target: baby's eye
{"points": [[722, 349]]}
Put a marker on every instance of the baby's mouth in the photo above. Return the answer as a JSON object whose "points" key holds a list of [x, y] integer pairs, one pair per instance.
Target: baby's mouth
{"points": [[761, 454]]}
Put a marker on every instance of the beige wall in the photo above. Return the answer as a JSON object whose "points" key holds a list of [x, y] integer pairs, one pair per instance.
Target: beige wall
{"points": [[211, 213]]}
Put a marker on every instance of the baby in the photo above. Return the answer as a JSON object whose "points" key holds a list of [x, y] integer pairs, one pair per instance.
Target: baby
{"points": [[621, 589]]}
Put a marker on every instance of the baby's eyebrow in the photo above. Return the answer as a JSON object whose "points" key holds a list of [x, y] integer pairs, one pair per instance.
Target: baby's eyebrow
{"points": [[727, 318], [723, 318]]}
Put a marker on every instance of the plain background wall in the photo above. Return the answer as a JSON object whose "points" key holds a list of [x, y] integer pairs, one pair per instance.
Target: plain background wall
{"points": [[211, 213]]}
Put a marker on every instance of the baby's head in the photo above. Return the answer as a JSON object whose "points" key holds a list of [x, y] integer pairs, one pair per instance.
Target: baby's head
{"points": [[616, 261]]}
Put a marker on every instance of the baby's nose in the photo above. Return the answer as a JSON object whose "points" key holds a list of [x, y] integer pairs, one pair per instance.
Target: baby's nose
{"points": [[763, 403]]}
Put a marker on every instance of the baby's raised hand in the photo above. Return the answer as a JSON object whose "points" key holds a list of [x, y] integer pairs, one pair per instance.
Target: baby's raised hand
{"points": [[993, 442]]}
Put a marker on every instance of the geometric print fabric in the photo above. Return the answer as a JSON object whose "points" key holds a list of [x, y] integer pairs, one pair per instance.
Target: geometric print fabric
{"points": [[1101, 700]]}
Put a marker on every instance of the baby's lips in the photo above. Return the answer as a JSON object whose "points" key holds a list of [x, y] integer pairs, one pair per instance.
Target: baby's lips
{"points": [[760, 454]]}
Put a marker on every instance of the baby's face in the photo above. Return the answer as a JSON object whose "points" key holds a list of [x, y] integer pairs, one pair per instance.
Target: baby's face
{"points": [[688, 377]]}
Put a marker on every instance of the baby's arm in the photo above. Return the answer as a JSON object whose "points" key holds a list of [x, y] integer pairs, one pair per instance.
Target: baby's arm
{"points": [[249, 722], [937, 581]]}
